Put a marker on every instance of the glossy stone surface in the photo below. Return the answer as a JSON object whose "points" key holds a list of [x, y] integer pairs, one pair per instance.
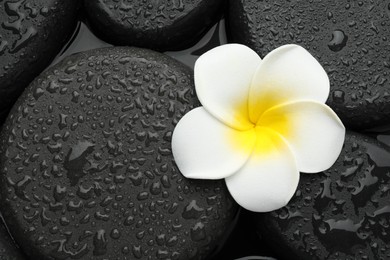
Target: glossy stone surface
{"points": [[86, 164], [351, 40], [158, 25], [32, 33], [342, 213]]}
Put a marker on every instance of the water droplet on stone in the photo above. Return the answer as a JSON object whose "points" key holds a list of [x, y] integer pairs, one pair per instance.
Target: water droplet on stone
{"points": [[76, 160], [338, 41], [100, 243]]}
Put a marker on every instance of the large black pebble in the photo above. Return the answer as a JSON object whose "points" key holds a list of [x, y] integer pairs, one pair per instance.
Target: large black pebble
{"points": [[86, 165], [342, 213], [8, 249], [351, 40], [32, 33], [158, 25]]}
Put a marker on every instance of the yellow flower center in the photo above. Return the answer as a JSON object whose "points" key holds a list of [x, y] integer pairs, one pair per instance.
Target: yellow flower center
{"points": [[263, 136]]}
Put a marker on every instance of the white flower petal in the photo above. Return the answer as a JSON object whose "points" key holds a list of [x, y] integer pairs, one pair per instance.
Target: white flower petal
{"points": [[205, 148], [286, 74], [313, 131], [268, 180], [223, 77]]}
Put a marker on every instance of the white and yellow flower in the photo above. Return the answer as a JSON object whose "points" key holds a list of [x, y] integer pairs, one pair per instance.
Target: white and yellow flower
{"points": [[262, 122]]}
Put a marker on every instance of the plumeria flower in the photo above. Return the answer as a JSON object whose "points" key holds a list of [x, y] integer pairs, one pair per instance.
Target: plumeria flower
{"points": [[262, 122]]}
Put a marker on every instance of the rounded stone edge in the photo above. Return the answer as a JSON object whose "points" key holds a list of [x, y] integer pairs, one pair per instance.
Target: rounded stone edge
{"points": [[157, 39]]}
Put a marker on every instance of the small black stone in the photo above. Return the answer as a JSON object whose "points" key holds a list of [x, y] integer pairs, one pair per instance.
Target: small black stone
{"points": [[32, 33], [341, 213], [93, 177], [157, 25], [351, 40]]}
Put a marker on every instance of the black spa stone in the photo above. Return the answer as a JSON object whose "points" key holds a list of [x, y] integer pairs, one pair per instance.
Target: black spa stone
{"points": [[351, 40], [86, 165], [31, 34], [342, 213], [8, 249], [159, 25]]}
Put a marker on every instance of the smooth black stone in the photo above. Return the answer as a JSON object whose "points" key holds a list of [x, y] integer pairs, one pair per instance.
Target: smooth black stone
{"points": [[8, 248], [157, 25], [86, 165], [351, 40], [342, 213], [32, 33]]}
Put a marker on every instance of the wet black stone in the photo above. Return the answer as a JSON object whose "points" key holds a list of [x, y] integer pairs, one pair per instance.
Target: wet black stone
{"points": [[349, 38], [86, 165], [32, 33], [8, 248], [158, 25], [342, 213]]}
